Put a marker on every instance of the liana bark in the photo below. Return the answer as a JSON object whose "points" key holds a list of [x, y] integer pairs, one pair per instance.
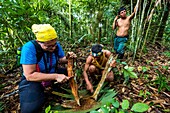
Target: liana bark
{"points": [[73, 84], [104, 75]]}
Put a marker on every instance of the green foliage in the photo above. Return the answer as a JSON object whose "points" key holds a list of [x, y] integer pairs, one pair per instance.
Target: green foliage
{"points": [[166, 35], [144, 69], [162, 82], [16, 22], [2, 86], [125, 104], [165, 67], [128, 73], [167, 53], [166, 110], [114, 107], [63, 95], [144, 94], [106, 97], [79, 72], [15, 28], [47, 110], [140, 107], [115, 103], [95, 112], [1, 106]]}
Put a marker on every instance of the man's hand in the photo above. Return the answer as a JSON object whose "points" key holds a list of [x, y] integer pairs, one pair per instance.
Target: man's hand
{"points": [[90, 87], [61, 78], [117, 17], [113, 63], [115, 22], [71, 55]]}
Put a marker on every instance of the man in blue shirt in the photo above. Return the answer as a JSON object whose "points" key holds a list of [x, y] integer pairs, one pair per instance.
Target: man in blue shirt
{"points": [[36, 75]]}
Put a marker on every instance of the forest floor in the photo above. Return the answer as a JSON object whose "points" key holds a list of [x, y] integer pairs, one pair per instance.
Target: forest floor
{"points": [[151, 86]]}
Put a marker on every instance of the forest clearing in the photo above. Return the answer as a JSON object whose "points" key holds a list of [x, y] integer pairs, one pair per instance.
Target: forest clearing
{"points": [[141, 77]]}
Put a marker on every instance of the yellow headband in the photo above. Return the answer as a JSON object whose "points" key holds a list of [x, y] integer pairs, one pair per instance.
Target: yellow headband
{"points": [[44, 32]]}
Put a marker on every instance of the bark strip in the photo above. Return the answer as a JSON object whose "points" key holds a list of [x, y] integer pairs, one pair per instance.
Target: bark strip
{"points": [[73, 84], [104, 75]]}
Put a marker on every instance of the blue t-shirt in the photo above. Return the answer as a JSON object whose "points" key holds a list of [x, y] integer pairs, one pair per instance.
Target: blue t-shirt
{"points": [[28, 56]]}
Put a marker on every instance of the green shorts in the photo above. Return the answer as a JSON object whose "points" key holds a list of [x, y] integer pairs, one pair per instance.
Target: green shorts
{"points": [[119, 44]]}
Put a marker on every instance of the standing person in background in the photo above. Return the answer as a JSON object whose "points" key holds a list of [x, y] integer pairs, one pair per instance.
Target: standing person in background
{"points": [[37, 74], [122, 22]]}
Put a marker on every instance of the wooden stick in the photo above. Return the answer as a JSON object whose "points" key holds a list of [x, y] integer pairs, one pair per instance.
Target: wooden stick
{"points": [[9, 94]]}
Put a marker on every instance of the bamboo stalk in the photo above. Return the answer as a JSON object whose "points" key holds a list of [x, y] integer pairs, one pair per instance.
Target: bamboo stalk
{"points": [[145, 25], [70, 20], [150, 20], [141, 22], [133, 27], [134, 24], [160, 22], [139, 33]]}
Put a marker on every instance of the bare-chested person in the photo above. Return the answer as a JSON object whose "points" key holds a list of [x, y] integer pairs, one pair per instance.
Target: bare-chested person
{"points": [[95, 64], [123, 23]]}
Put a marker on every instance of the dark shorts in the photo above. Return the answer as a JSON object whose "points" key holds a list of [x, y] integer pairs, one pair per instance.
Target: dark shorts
{"points": [[32, 95]]}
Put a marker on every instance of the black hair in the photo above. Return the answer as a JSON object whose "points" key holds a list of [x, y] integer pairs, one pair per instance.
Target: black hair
{"points": [[96, 48], [121, 9]]}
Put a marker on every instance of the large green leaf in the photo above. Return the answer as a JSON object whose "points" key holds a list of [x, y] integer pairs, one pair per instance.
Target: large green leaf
{"points": [[94, 112], [108, 96], [129, 68], [103, 100], [104, 110], [140, 107], [125, 104], [115, 103], [63, 95], [47, 110], [60, 109], [128, 72]]}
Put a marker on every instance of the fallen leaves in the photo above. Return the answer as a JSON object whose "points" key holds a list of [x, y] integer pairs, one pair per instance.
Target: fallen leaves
{"points": [[136, 90]]}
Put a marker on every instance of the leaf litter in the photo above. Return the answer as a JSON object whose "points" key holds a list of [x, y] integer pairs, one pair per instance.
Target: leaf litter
{"points": [[141, 89]]}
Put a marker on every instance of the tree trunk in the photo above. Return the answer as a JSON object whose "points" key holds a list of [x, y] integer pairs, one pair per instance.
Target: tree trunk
{"points": [[99, 35]]}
